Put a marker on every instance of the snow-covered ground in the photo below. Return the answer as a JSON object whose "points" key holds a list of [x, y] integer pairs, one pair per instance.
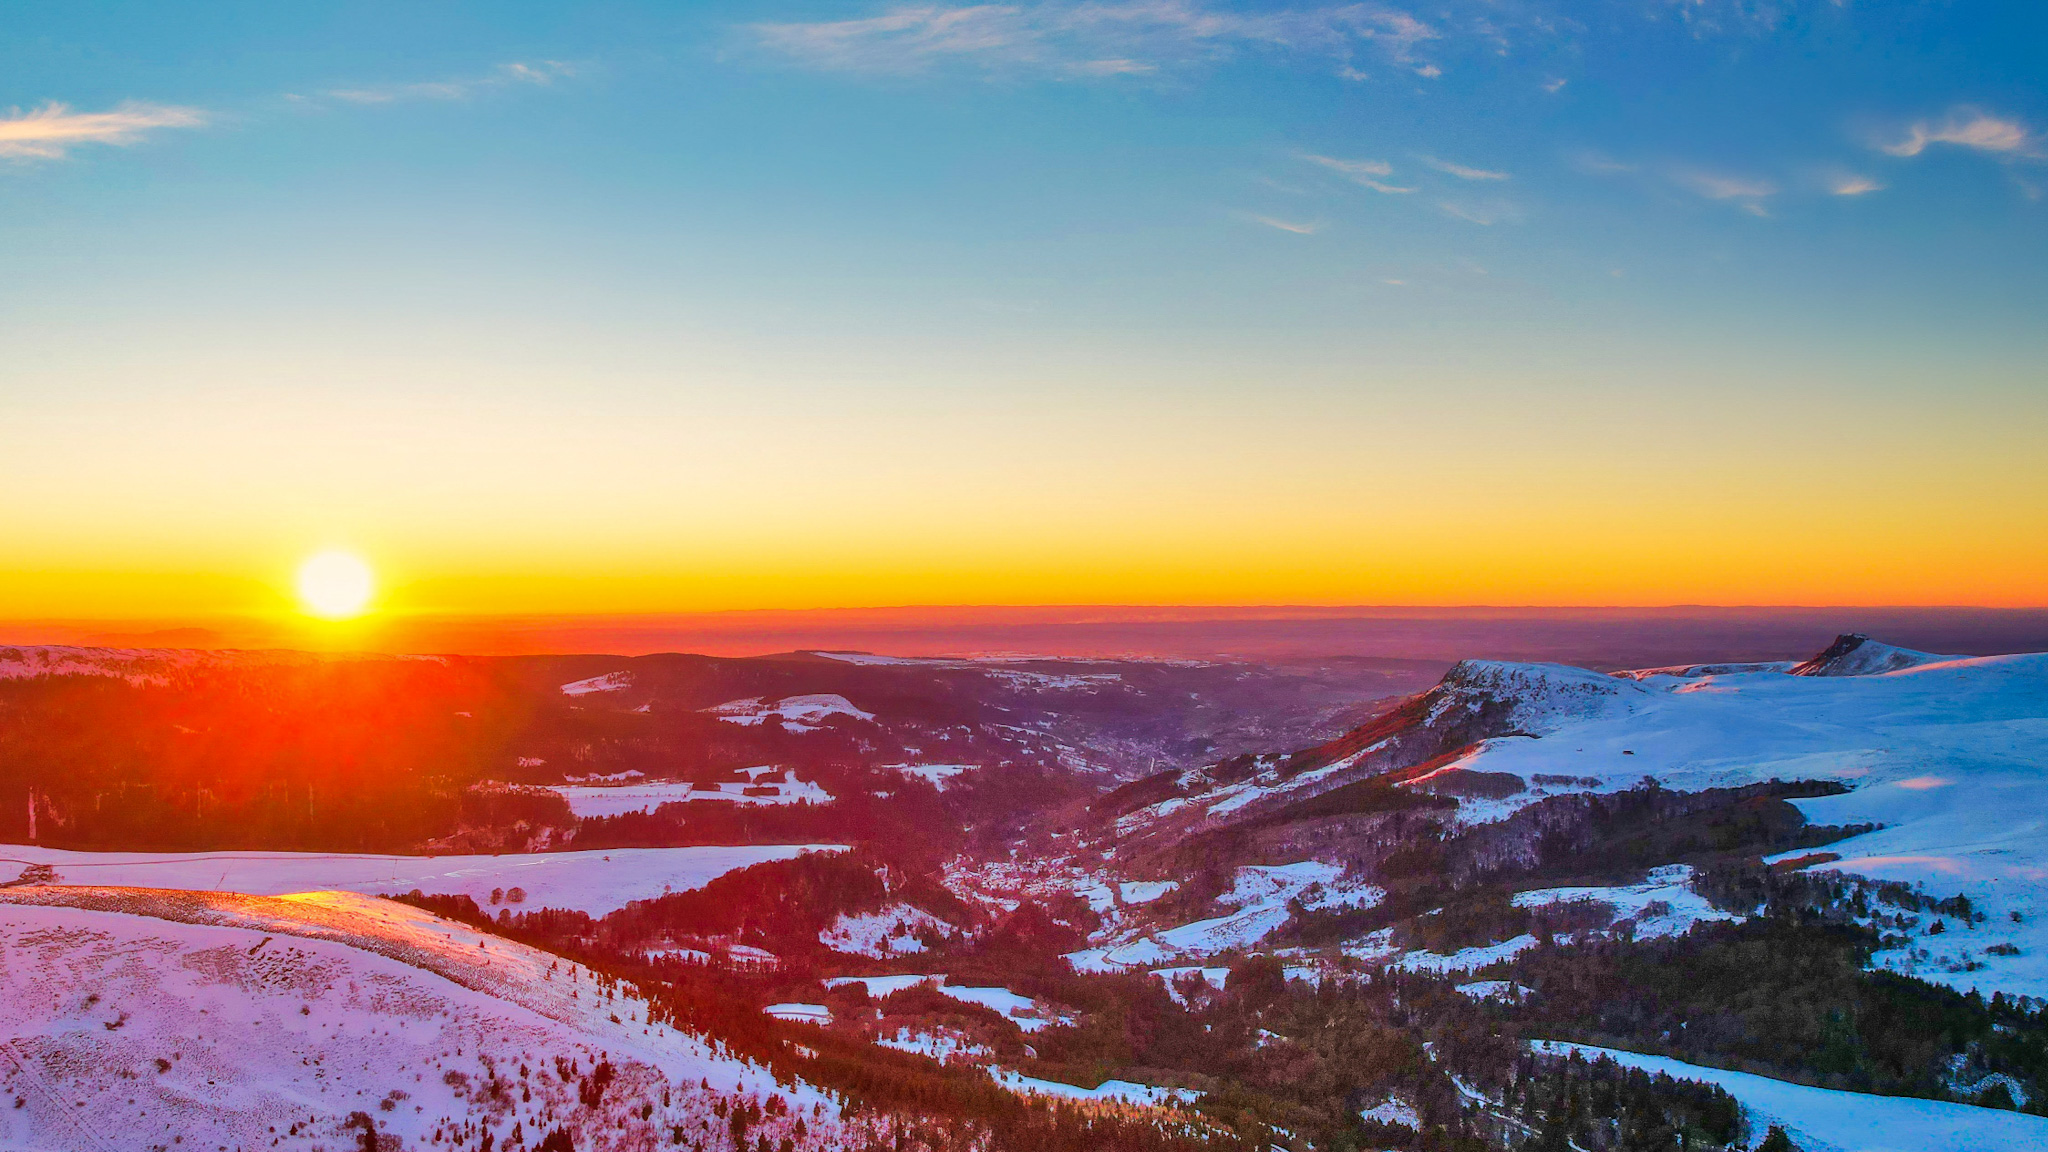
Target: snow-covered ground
{"points": [[1819, 1120], [1121, 1091], [942, 1044], [1506, 990], [1465, 959], [1145, 891], [800, 1013], [880, 986], [893, 931], [593, 882], [1026, 1013], [153, 1019], [799, 713], [1393, 1110], [1945, 753], [1217, 978], [586, 801], [936, 775], [1260, 895], [1664, 904], [609, 682]]}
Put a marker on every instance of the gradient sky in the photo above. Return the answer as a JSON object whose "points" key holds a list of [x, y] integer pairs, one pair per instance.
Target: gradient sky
{"points": [[615, 307]]}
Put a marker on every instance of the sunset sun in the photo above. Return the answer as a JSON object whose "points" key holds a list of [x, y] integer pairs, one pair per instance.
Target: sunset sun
{"points": [[335, 585]]}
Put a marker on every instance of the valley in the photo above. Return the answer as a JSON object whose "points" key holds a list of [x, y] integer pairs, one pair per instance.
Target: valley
{"points": [[842, 900]]}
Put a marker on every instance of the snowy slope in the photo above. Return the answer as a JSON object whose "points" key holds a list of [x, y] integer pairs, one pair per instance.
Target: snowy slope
{"points": [[1819, 1120], [593, 882], [144, 1019], [1664, 904], [1950, 755], [609, 682], [1260, 896]]}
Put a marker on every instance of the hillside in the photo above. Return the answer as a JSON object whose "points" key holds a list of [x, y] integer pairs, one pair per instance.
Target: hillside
{"points": [[148, 1018]]}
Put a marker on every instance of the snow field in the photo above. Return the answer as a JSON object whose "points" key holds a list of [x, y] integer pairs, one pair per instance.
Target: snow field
{"points": [[1668, 890], [595, 882], [892, 931], [1121, 1091], [799, 713], [586, 801]]}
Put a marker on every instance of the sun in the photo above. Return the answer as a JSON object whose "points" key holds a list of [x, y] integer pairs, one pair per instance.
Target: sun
{"points": [[335, 585]]}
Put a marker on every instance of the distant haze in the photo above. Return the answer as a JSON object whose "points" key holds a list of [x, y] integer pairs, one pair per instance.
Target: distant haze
{"points": [[1599, 637]]}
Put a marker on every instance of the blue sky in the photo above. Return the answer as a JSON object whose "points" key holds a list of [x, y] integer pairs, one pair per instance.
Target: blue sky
{"points": [[281, 274]]}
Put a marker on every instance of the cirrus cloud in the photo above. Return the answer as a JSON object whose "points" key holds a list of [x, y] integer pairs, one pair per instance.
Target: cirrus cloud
{"points": [[1362, 172], [542, 73], [51, 131], [1964, 128], [1461, 171], [1096, 39]]}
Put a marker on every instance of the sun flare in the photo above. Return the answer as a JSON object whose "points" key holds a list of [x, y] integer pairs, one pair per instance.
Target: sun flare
{"points": [[335, 585]]}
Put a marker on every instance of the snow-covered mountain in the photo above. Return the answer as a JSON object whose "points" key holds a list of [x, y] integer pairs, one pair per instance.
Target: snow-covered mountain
{"points": [[1946, 756]]}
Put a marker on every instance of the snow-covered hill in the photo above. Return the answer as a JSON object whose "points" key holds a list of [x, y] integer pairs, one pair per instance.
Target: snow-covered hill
{"points": [[1947, 755], [157, 1019]]}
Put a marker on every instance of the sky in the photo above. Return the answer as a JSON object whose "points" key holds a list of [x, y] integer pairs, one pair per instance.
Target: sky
{"points": [[616, 308]]}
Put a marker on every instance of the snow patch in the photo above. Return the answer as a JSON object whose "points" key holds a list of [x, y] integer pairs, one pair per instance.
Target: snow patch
{"points": [[893, 931], [1120, 1091], [609, 682]]}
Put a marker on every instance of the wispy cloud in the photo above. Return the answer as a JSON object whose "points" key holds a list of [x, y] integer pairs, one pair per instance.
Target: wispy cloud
{"points": [[1299, 228], [1098, 38], [51, 131], [1601, 164], [543, 72], [1850, 184], [1487, 214], [1747, 191], [1461, 171], [1363, 172], [1964, 128]]}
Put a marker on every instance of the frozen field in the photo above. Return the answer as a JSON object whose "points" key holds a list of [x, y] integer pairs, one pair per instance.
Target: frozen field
{"points": [[1822, 1121], [593, 882]]}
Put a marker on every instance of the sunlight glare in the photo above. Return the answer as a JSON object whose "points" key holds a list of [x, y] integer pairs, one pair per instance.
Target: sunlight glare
{"points": [[335, 585]]}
